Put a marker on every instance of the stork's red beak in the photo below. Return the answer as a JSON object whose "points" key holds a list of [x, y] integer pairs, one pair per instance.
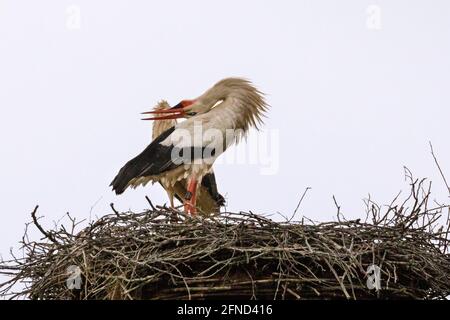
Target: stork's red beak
{"points": [[175, 112], [172, 113]]}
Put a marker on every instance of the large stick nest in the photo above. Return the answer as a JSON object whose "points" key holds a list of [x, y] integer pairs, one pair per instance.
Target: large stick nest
{"points": [[164, 254]]}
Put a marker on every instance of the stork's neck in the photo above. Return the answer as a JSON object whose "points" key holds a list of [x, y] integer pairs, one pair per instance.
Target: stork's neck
{"points": [[240, 109], [232, 103]]}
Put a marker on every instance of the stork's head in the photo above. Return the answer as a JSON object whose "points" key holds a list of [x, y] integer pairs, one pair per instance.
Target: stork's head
{"points": [[250, 102]]}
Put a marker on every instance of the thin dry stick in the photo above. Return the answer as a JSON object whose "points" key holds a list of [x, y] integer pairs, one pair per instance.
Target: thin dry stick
{"points": [[439, 168], [299, 203], [114, 209], [36, 223], [150, 203]]}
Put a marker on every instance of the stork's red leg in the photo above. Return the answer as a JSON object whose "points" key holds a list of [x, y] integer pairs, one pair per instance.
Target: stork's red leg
{"points": [[190, 205]]}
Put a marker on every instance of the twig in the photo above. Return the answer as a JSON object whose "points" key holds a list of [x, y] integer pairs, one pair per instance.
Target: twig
{"points": [[114, 209], [299, 203], [150, 203], [36, 223], [439, 168], [338, 207]]}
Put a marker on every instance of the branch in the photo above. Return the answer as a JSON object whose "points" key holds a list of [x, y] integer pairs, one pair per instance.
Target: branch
{"points": [[36, 223], [114, 209], [299, 203], [439, 167], [150, 203]]}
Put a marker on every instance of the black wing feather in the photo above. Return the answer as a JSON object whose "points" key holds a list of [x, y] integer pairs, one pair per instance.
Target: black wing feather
{"points": [[156, 158]]}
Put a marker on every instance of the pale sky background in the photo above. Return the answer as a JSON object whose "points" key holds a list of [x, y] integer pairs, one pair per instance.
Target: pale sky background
{"points": [[352, 101]]}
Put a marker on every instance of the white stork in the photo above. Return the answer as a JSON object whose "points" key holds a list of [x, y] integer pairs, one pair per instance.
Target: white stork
{"points": [[215, 120], [209, 200]]}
